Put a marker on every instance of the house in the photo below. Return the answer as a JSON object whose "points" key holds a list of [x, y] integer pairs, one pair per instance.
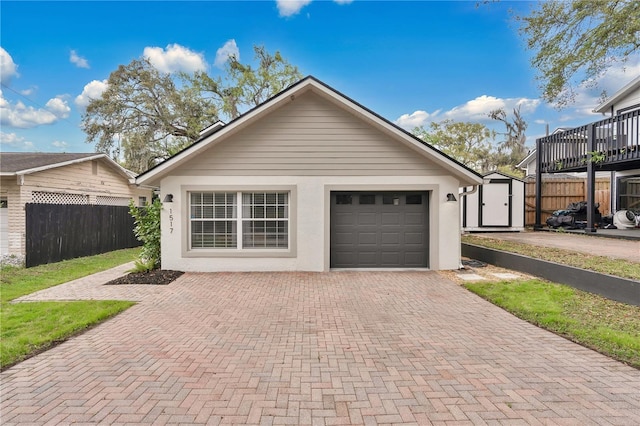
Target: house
{"points": [[309, 180], [608, 145], [58, 178]]}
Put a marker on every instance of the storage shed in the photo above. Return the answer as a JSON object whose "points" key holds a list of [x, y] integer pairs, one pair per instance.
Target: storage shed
{"points": [[497, 205]]}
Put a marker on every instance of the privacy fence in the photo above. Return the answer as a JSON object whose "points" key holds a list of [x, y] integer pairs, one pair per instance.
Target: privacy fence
{"points": [[557, 194], [56, 232]]}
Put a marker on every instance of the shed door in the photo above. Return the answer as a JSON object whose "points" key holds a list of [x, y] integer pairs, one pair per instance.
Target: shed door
{"points": [[4, 227], [379, 230], [495, 203]]}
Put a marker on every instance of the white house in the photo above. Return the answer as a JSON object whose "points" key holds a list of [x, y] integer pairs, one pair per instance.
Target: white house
{"points": [[310, 180]]}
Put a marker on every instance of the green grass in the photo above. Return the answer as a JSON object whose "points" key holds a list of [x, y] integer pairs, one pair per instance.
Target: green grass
{"points": [[609, 327], [29, 328], [617, 267]]}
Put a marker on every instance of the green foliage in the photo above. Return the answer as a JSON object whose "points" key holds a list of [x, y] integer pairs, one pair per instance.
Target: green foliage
{"points": [[244, 87], [612, 328], [512, 149], [147, 230], [469, 143], [575, 42], [145, 116]]}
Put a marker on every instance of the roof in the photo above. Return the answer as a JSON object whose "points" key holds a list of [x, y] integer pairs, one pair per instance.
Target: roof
{"points": [[23, 163], [620, 94], [466, 175], [528, 159]]}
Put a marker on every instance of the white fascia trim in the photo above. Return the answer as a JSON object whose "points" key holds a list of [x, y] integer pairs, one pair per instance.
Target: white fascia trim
{"points": [[629, 87], [399, 134], [112, 163], [234, 126], [527, 159], [289, 96], [55, 165]]}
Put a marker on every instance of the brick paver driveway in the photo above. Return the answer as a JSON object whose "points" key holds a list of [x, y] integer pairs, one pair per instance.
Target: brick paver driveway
{"points": [[333, 348]]}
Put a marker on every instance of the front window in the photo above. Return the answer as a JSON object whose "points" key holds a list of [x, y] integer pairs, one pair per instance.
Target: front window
{"points": [[262, 218]]}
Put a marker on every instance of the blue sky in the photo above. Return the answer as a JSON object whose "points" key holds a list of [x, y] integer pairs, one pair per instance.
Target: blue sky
{"points": [[411, 62]]}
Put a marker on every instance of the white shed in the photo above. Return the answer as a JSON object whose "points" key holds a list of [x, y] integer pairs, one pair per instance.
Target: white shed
{"points": [[497, 205]]}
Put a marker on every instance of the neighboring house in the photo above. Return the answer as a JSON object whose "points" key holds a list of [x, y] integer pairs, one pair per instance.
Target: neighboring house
{"points": [[73, 178], [309, 180], [608, 145]]}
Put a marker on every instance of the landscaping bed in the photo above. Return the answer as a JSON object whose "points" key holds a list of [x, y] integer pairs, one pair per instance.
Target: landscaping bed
{"points": [[153, 277]]}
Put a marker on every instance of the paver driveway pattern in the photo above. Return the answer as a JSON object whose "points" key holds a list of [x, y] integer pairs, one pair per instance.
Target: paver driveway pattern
{"points": [[319, 349]]}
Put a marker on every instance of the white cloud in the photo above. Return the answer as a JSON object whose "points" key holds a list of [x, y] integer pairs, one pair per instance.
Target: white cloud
{"points": [[60, 145], [288, 8], [474, 110], [92, 90], [13, 141], [78, 60], [8, 68], [230, 48], [291, 7], [175, 58], [23, 117]]}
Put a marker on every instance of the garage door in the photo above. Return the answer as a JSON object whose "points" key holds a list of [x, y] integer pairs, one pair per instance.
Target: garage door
{"points": [[379, 230]]}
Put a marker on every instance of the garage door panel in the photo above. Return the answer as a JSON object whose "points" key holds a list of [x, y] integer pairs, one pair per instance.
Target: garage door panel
{"points": [[368, 238], [413, 238], [390, 218], [378, 233]]}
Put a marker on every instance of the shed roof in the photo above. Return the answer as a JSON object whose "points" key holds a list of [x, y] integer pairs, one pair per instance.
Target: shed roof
{"points": [[466, 175]]}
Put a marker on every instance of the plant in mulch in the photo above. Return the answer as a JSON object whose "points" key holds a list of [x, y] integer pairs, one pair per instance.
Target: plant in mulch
{"points": [[147, 230]]}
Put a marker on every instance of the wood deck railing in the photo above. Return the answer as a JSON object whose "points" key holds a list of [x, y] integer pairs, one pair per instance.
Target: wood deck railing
{"points": [[610, 144]]}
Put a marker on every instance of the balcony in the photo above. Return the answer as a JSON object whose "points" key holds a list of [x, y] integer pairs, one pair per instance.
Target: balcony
{"points": [[612, 144], [609, 144]]}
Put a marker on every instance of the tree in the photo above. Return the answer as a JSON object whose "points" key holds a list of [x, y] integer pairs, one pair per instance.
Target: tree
{"points": [[576, 41], [142, 115], [244, 87], [469, 143], [512, 150], [145, 116]]}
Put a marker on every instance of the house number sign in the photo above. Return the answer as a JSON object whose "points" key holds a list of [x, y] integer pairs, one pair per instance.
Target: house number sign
{"points": [[171, 221]]}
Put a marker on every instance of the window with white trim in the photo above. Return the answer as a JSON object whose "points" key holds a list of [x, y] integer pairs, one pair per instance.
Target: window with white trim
{"points": [[239, 220]]}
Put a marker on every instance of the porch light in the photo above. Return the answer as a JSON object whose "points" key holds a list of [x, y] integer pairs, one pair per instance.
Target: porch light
{"points": [[168, 198], [451, 197]]}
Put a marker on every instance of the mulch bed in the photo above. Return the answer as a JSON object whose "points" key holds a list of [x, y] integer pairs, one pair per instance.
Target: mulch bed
{"points": [[155, 277]]}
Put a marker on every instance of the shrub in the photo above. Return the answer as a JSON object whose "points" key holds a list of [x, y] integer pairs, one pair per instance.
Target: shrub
{"points": [[147, 230]]}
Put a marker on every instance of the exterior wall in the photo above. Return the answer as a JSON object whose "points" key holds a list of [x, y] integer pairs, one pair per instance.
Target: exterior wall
{"points": [[472, 222], [91, 178], [309, 223], [309, 137], [631, 99]]}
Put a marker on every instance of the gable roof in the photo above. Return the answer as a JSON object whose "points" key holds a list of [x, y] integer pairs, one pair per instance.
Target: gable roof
{"points": [[24, 163], [310, 83], [620, 94]]}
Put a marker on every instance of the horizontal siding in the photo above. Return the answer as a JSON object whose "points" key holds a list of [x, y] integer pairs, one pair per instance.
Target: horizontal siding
{"points": [[79, 178], [310, 137]]}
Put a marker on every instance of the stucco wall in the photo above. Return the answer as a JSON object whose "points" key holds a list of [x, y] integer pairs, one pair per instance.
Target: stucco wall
{"points": [[309, 249]]}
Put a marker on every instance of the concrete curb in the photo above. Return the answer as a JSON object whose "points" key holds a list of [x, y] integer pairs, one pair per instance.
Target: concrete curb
{"points": [[614, 288]]}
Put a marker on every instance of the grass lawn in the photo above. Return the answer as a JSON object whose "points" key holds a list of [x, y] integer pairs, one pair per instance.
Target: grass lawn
{"points": [[617, 267], [611, 328], [30, 328]]}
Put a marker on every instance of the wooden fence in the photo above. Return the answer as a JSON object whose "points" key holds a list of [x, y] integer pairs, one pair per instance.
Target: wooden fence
{"points": [[557, 194], [56, 232]]}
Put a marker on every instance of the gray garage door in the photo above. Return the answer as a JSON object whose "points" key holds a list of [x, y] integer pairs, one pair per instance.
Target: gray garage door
{"points": [[379, 230]]}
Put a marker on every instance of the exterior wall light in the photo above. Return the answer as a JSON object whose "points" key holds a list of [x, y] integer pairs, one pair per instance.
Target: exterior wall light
{"points": [[451, 197], [168, 198]]}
